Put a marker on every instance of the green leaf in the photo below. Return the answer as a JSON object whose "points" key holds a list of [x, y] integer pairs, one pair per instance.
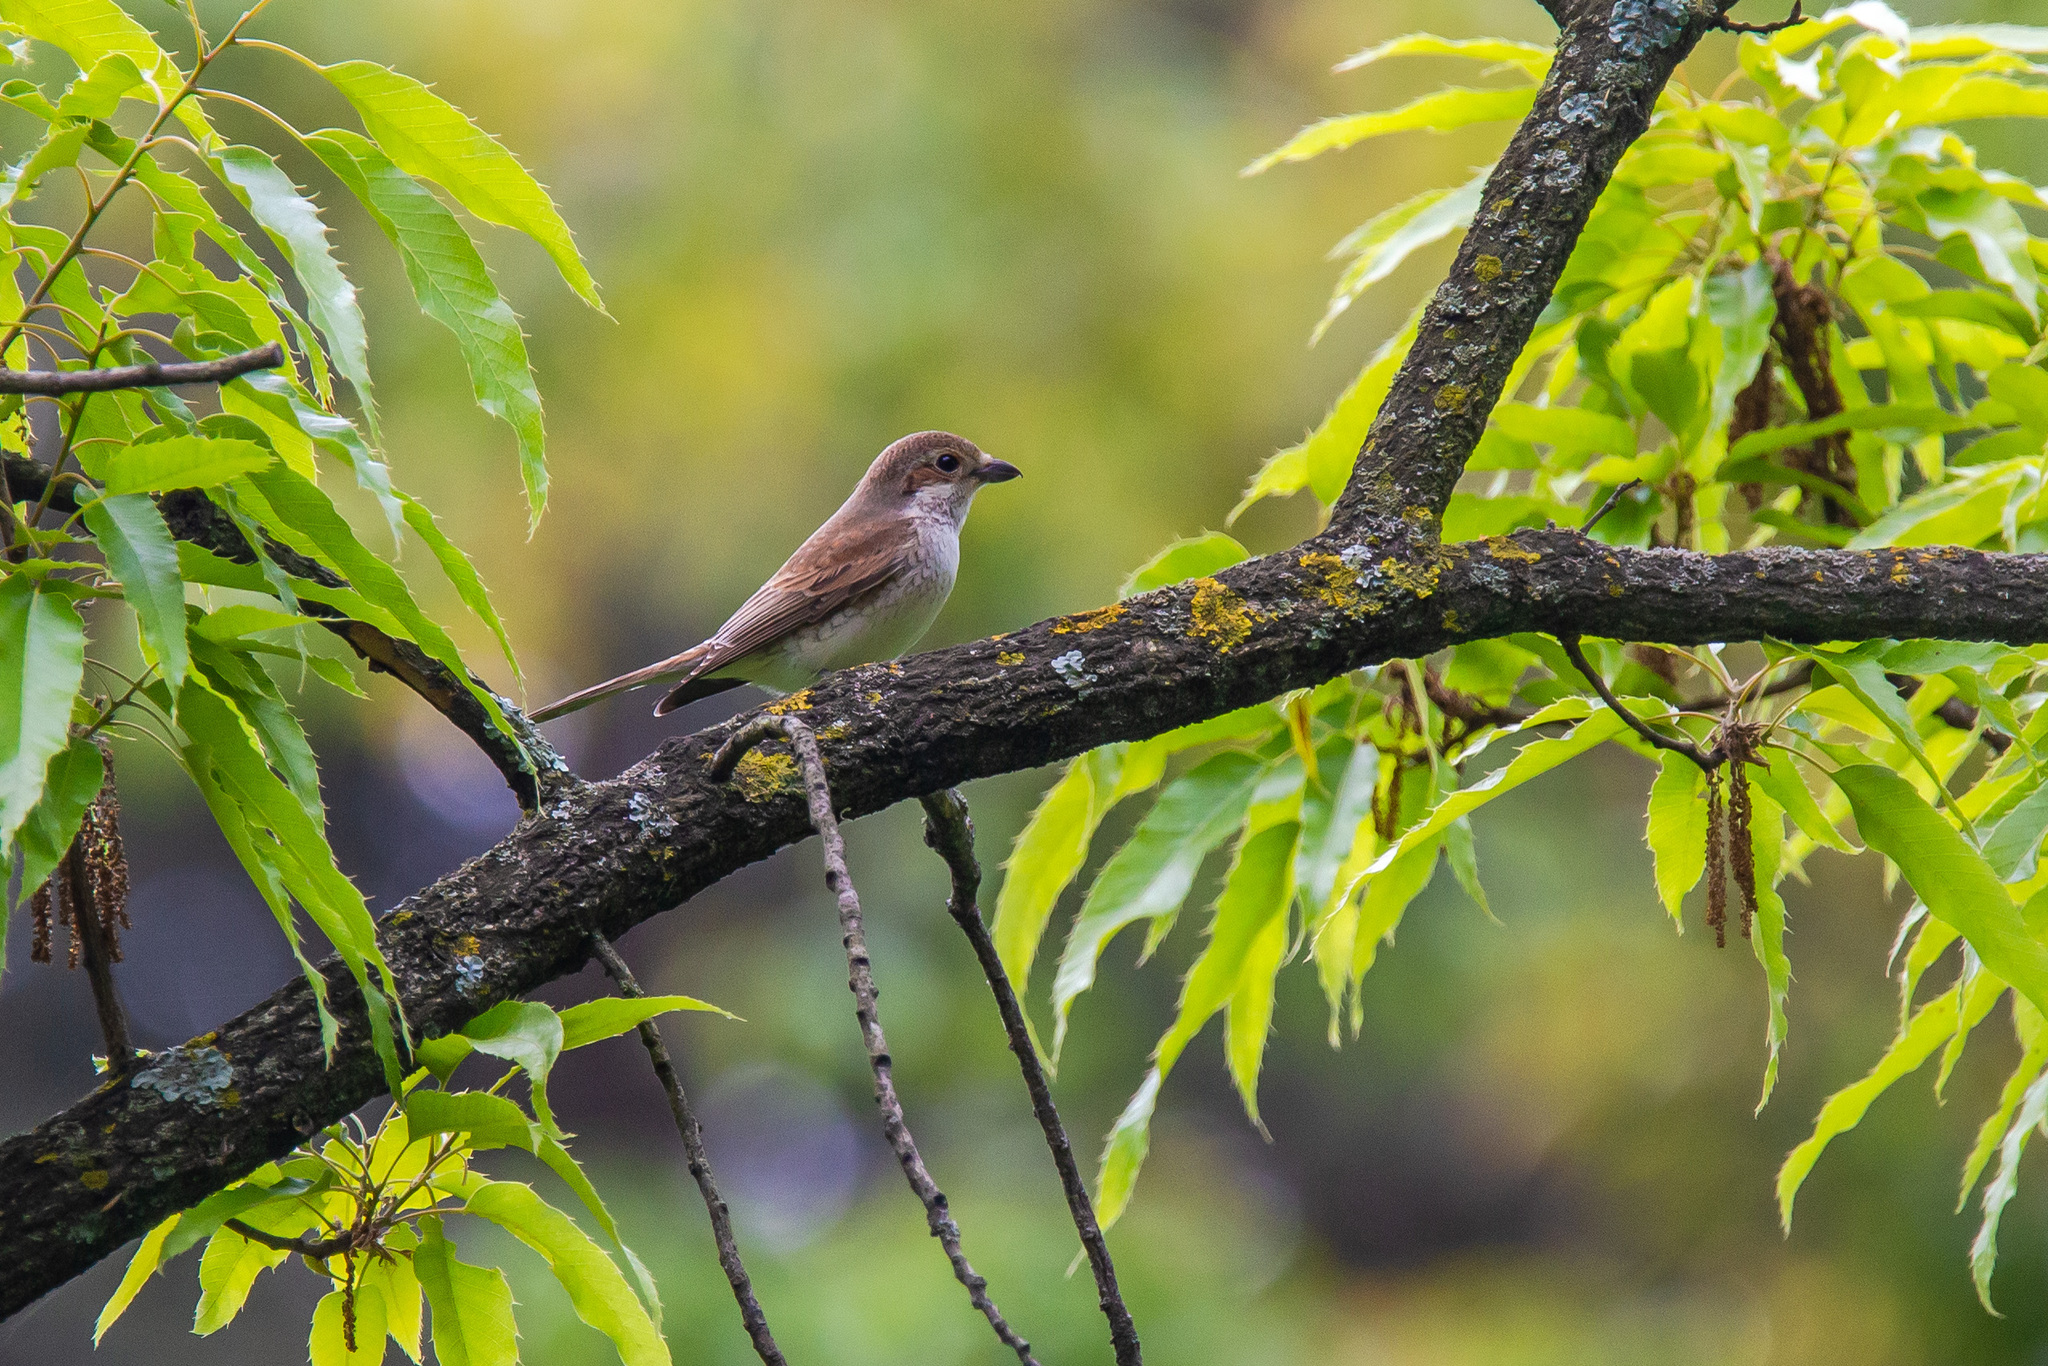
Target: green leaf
{"points": [[2004, 1185], [453, 288], [141, 554], [148, 1258], [596, 1287], [471, 1306], [610, 1016], [2033, 1058], [328, 1346], [294, 224], [1255, 895], [88, 30], [1767, 836], [2018, 835], [1249, 1018], [1332, 829], [398, 1286], [526, 1034], [71, 783], [1741, 304], [556, 1156], [1931, 1027], [1903, 417], [182, 462], [1437, 112], [1993, 227], [57, 150], [1378, 247], [227, 1272], [1123, 1156], [430, 138], [1049, 852], [1781, 779], [1958, 886], [1193, 558], [1677, 829], [1532, 58], [490, 1121], [42, 664], [1151, 875]]}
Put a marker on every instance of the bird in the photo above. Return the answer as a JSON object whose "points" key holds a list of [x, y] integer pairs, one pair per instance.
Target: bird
{"points": [[864, 587]]}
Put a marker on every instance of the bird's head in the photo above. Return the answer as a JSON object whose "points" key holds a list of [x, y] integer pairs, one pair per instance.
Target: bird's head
{"points": [[933, 474]]}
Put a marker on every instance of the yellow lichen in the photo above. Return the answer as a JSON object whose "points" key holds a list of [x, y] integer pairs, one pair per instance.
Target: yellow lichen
{"points": [[1089, 621], [1417, 578], [1502, 205], [469, 946], [1487, 268], [231, 1096], [1009, 657], [838, 730], [1502, 548], [1614, 590], [873, 699], [796, 701], [1451, 398], [94, 1180], [1219, 616], [762, 777], [1339, 588], [1451, 622]]}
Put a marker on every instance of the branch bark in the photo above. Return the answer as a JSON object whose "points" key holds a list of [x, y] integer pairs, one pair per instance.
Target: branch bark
{"points": [[1375, 586], [148, 375]]}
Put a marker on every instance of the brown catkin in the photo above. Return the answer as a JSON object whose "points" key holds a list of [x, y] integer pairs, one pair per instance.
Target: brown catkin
{"points": [[107, 862], [1717, 862], [1741, 847], [41, 913]]}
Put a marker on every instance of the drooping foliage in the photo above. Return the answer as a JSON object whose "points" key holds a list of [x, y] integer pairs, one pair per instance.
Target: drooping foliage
{"points": [[1802, 313]]}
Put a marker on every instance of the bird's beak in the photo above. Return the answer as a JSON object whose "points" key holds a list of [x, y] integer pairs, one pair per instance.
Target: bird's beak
{"points": [[999, 472]]}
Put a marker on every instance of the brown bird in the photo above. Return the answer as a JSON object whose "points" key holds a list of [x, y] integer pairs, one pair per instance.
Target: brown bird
{"points": [[864, 587]]}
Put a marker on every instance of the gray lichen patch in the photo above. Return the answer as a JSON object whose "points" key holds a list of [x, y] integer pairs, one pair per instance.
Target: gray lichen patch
{"points": [[199, 1075], [1073, 671], [644, 812]]}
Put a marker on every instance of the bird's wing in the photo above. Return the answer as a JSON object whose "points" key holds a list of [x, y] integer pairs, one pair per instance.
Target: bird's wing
{"points": [[830, 570]]}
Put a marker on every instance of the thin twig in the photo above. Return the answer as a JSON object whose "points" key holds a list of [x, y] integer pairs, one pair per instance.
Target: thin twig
{"points": [[949, 830], [149, 374], [1708, 760], [96, 946], [318, 1249], [700, 1163], [1727, 25], [1608, 506], [862, 982]]}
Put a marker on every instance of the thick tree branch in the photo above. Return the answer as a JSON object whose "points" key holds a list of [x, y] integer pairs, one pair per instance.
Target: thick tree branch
{"points": [[147, 375], [1374, 587], [531, 766]]}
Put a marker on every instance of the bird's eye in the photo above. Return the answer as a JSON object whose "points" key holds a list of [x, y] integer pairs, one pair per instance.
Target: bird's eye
{"points": [[948, 462]]}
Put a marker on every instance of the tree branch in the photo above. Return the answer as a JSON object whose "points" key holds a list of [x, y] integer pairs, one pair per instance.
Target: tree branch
{"points": [[949, 830], [860, 979], [1575, 650], [531, 766], [609, 855], [148, 375], [692, 1133]]}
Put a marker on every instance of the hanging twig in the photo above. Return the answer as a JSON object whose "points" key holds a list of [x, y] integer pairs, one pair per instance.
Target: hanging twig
{"points": [[95, 938], [804, 745], [949, 830], [149, 374], [700, 1164], [1708, 759]]}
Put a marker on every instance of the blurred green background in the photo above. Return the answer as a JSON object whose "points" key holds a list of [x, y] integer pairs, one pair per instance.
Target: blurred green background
{"points": [[820, 224]]}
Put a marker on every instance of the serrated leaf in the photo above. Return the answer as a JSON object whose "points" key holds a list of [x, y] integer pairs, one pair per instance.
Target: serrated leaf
{"points": [[453, 288], [1378, 247], [596, 1287], [471, 1305], [1151, 875], [1438, 112], [430, 138], [148, 1259], [1958, 886], [139, 550], [1767, 837], [1676, 830], [1531, 58], [227, 1272], [2004, 1184], [1192, 558], [527, 1034], [87, 30], [42, 664], [1123, 1155], [182, 462], [294, 224], [327, 1344], [610, 1016], [490, 1121]]}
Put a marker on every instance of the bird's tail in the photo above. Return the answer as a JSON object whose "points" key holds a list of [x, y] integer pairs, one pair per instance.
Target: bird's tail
{"points": [[675, 666]]}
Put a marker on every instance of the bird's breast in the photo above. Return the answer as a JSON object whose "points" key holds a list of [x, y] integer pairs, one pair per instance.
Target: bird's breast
{"points": [[881, 624]]}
